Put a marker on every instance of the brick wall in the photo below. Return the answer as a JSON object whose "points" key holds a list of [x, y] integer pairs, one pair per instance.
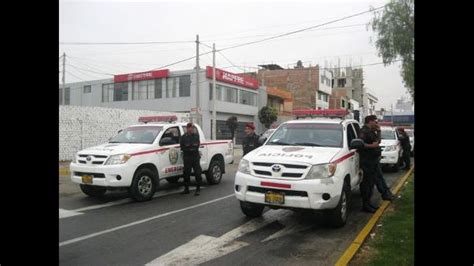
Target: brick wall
{"points": [[302, 83], [98, 125]]}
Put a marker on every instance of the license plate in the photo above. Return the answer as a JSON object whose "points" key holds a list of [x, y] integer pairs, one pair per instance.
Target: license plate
{"points": [[275, 197], [87, 179]]}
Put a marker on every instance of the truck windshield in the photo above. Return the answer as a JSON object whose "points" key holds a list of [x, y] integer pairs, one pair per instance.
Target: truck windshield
{"points": [[388, 134], [308, 134], [145, 135]]}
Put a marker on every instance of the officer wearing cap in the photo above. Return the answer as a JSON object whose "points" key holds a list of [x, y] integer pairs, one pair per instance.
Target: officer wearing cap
{"points": [[369, 156], [190, 147], [406, 146], [250, 141]]}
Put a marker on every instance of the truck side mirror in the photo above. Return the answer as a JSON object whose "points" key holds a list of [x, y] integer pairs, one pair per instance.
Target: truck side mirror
{"points": [[356, 144], [262, 140]]}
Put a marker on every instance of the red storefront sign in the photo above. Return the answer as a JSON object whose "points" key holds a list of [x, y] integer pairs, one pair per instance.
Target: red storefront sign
{"points": [[142, 75], [231, 78]]}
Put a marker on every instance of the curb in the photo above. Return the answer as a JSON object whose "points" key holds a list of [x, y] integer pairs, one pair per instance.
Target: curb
{"points": [[359, 240]]}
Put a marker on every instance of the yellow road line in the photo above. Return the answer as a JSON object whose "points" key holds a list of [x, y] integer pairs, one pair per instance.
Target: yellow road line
{"points": [[355, 245]]}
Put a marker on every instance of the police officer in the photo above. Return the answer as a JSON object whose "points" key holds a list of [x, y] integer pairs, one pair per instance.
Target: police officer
{"points": [[190, 147], [379, 179], [406, 146], [368, 162], [250, 141]]}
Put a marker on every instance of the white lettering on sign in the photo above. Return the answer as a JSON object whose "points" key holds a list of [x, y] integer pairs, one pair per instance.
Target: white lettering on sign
{"points": [[232, 77], [286, 155], [140, 76]]}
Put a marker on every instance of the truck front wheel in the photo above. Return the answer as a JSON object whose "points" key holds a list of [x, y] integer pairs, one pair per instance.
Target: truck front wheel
{"points": [[143, 185], [337, 217], [93, 191], [252, 210]]}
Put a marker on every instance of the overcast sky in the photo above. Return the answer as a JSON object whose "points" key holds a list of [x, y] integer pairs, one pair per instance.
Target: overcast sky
{"points": [[225, 23]]}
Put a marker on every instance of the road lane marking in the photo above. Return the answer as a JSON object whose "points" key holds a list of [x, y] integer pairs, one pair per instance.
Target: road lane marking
{"points": [[359, 240], [63, 213], [67, 213], [77, 239], [205, 248]]}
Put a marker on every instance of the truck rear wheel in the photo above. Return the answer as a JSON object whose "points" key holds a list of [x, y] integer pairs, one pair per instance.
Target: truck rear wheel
{"points": [[143, 185], [214, 173], [251, 210], [337, 217], [93, 191]]}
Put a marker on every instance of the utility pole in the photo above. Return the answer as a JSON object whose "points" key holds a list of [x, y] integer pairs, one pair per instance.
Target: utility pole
{"points": [[214, 94], [391, 111], [197, 81], [64, 77]]}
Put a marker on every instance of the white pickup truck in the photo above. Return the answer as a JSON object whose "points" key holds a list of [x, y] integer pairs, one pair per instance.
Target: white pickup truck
{"points": [[305, 164], [142, 155]]}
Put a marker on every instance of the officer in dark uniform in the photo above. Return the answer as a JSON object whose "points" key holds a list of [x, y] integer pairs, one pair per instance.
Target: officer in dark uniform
{"points": [[379, 179], [406, 146], [369, 156], [250, 141], [190, 147]]}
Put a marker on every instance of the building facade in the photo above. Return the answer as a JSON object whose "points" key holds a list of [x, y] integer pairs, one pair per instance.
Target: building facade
{"points": [[237, 95], [310, 87]]}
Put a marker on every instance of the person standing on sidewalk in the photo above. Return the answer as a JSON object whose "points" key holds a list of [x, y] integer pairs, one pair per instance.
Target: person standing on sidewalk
{"points": [[190, 146], [250, 141], [406, 146], [380, 183], [368, 162]]}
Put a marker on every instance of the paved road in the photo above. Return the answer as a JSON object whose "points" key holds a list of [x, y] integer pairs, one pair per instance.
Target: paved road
{"points": [[184, 229]]}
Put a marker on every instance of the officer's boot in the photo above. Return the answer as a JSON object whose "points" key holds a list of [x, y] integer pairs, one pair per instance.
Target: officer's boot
{"points": [[366, 207], [186, 190], [198, 191]]}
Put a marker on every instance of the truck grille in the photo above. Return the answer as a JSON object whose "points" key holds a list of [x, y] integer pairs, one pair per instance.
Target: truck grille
{"points": [[287, 192], [290, 171], [95, 159], [95, 175]]}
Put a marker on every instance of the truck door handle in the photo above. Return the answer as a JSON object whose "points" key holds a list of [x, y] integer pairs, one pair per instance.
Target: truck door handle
{"points": [[202, 146]]}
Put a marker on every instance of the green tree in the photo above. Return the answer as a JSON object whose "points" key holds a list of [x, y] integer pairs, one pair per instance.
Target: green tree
{"points": [[267, 115], [395, 29], [232, 124]]}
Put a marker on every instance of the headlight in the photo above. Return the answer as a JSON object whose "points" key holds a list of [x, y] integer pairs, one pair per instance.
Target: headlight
{"points": [[118, 159], [244, 167], [391, 148], [75, 159], [321, 171]]}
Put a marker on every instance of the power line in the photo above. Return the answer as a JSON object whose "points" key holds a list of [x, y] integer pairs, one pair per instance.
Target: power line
{"points": [[264, 35], [181, 61], [228, 60], [121, 43], [101, 73], [95, 68], [274, 26], [274, 37], [301, 30], [87, 74], [74, 75]]}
